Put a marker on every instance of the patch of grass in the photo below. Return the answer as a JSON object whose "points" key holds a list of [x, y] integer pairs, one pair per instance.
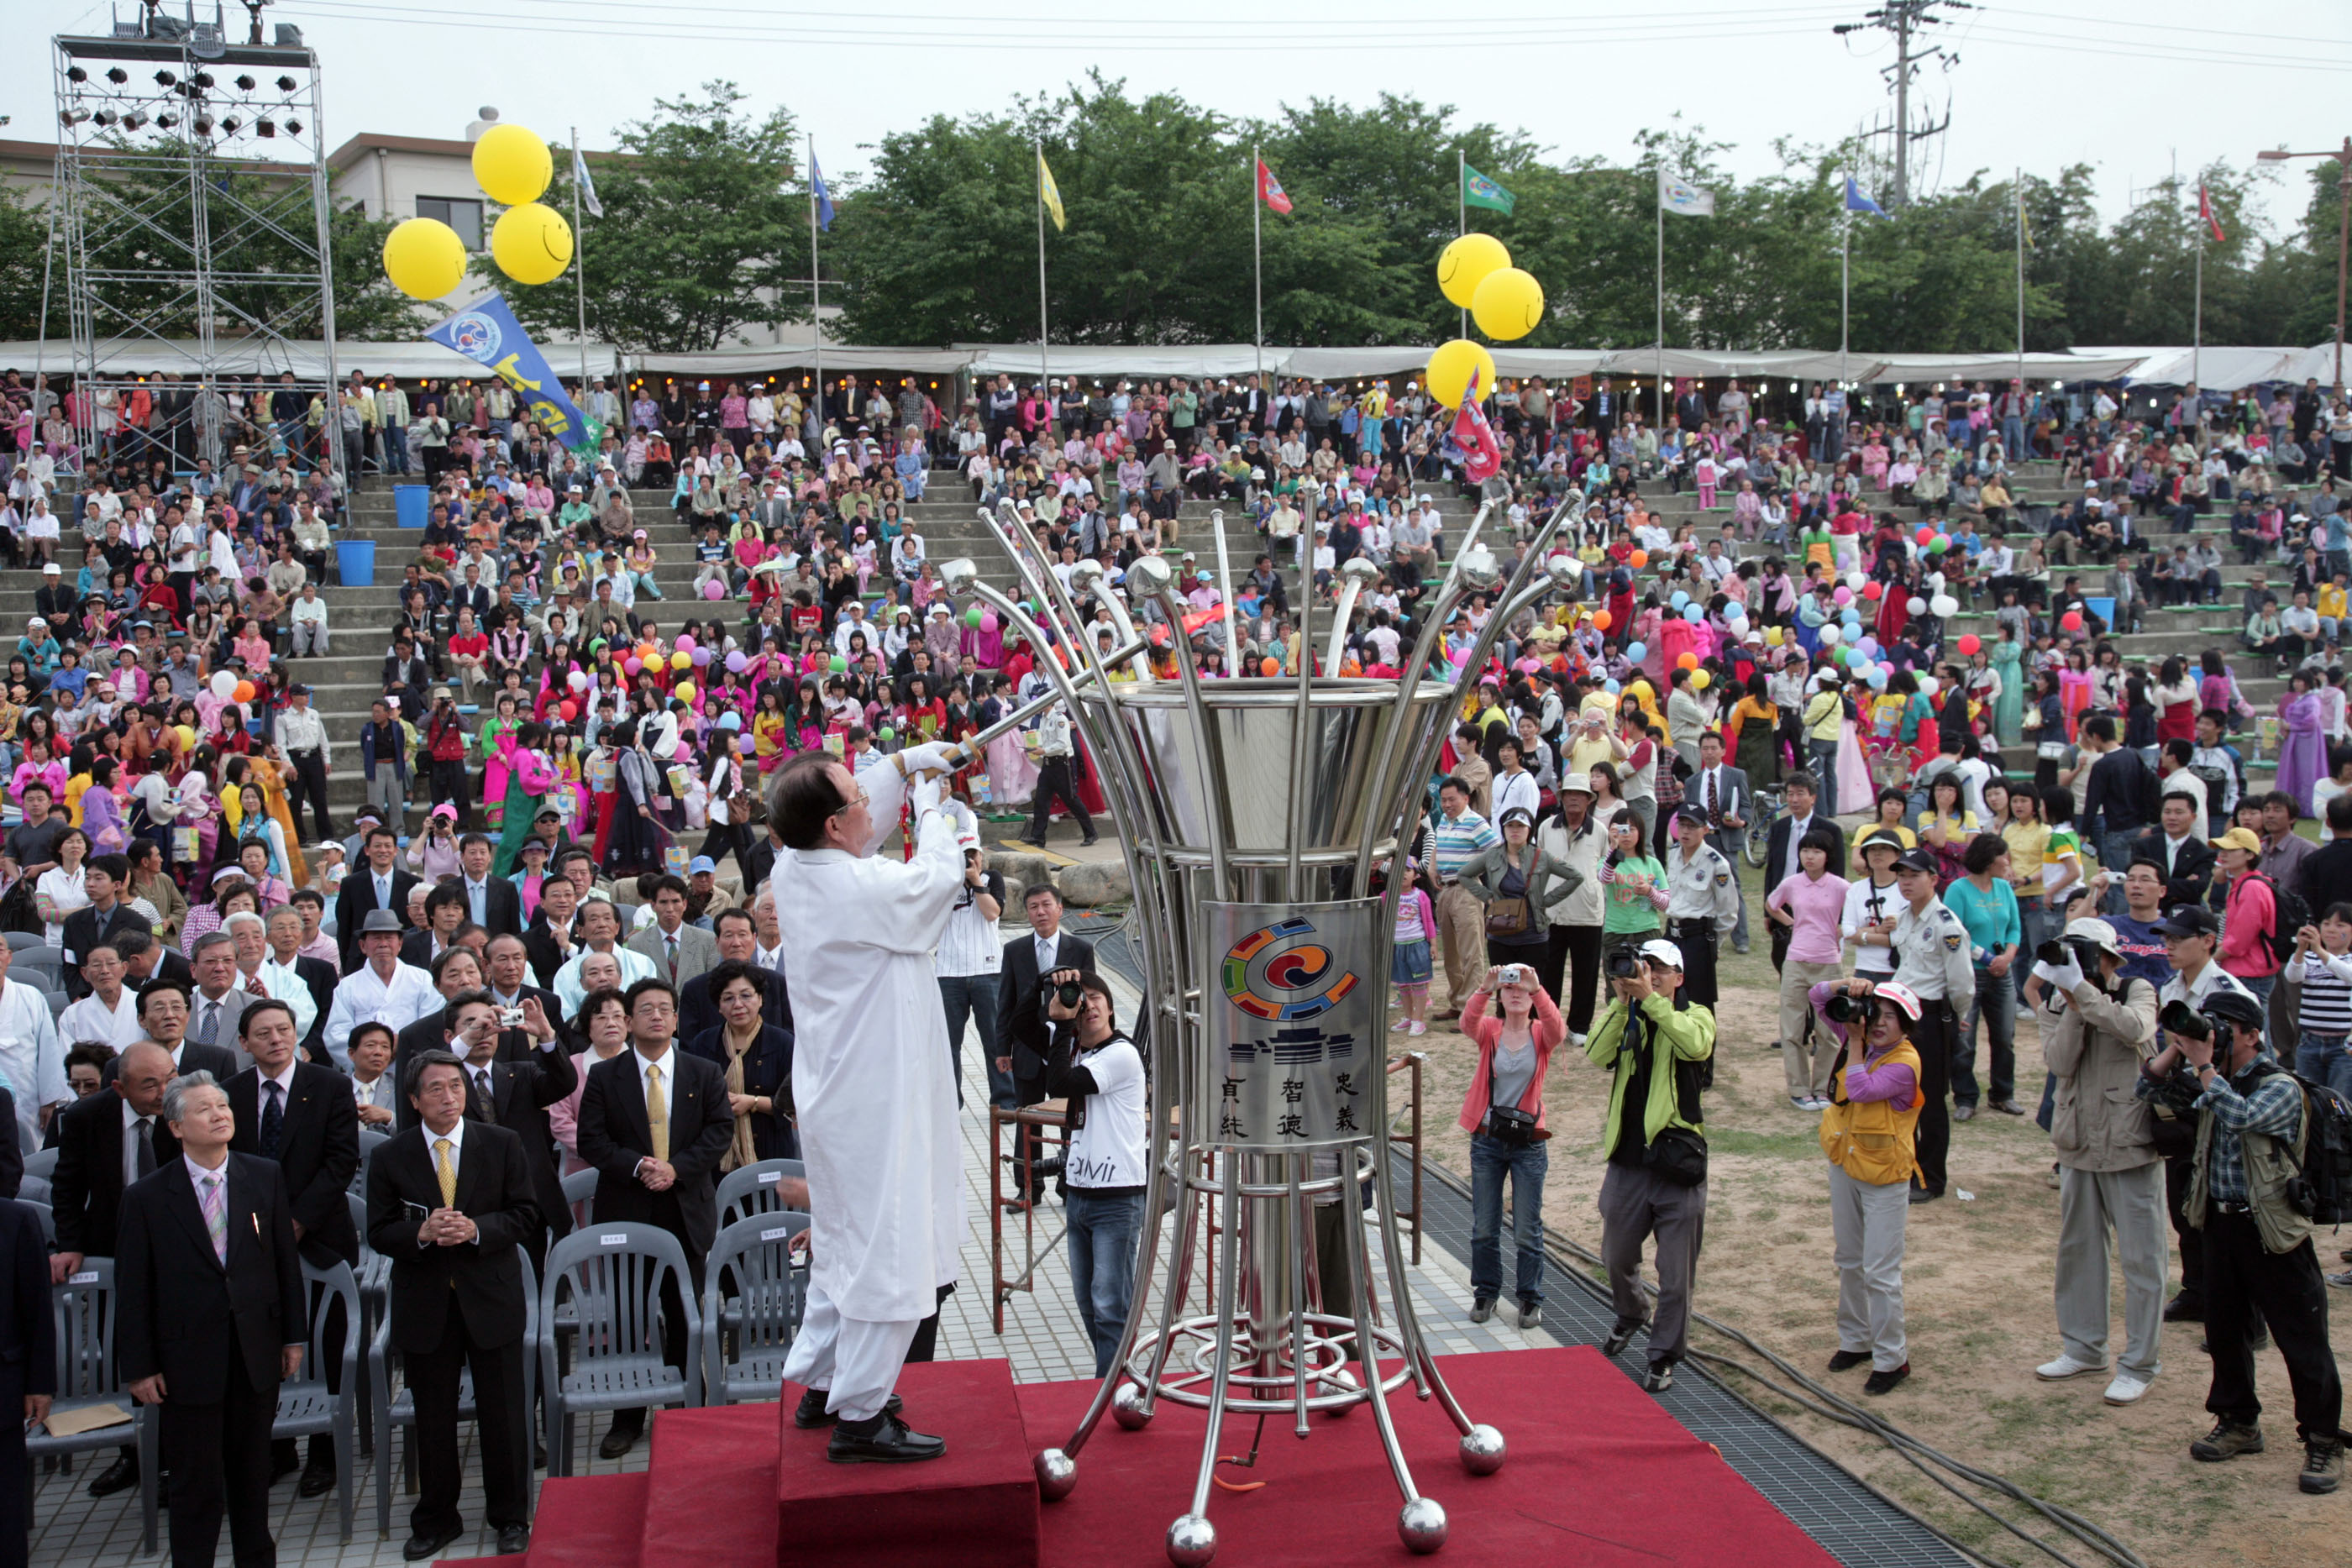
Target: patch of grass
{"points": [[1721, 1140]]}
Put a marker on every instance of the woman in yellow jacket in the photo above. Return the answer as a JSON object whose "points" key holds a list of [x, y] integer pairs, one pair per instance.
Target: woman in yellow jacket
{"points": [[1868, 1132]]}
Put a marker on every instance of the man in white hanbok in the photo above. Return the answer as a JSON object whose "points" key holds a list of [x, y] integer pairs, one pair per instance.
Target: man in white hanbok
{"points": [[871, 1081]]}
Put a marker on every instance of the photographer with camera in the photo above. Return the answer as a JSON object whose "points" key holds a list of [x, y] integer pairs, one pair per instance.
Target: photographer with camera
{"points": [[1100, 1073], [1869, 1133], [2247, 1196], [1655, 1043], [1932, 962], [1503, 1113], [2192, 942], [2098, 1026]]}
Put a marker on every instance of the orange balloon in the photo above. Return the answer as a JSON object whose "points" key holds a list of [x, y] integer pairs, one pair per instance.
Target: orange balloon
{"points": [[1269, 667], [1641, 557], [246, 691], [1602, 621], [1688, 662], [1351, 667]]}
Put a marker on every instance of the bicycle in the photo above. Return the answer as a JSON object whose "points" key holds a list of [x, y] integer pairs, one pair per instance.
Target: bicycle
{"points": [[1769, 806]]}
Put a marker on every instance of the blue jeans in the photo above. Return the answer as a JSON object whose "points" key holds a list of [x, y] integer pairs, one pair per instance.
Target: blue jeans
{"points": [[2035, 919], [1824, 754], [1102, 1265], [974, 997], [1490, 1161], [2261, 986], [2326, 1059], [1996, 1003]]}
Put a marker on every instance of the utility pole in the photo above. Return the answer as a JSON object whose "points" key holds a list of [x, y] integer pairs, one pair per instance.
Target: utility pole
{"points": [[1908, 21]]}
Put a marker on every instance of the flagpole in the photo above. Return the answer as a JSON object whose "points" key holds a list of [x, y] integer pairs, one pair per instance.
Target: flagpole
{"points": [[1044, 372], [1845, 283], [1258, 266], [580, 264], [2017, 180], [1462, 212], [2197, 319], [817, 301], [1658, 399]]}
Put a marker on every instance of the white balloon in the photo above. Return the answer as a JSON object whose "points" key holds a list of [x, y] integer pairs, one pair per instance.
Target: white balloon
{"points": [[223, 683], [1927, 686], [1917, 606], [1855, 580], [1944, 604], [1935, 583], [1830, 635]]}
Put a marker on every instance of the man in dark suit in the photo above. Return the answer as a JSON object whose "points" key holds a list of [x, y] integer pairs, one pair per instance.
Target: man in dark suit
{"points": [[2178, 844], [492, 903], [378, 884], [455, 974], [163, 1013], [506, 977], [449, 1199], [145, 959], [1803, 814], [1022, 1030], [659, 1170], [105, 1143], [29, 1369], [503, 1092], [106, 878], [552, 938], [209, 1319], [304, 1118]]}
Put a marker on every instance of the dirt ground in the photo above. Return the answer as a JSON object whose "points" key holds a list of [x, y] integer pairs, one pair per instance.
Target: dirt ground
{"points": [[1978, 1280]]}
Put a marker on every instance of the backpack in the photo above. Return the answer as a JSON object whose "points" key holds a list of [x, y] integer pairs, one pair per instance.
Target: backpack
{"points": [[2321, 1190], [2293, 914]]}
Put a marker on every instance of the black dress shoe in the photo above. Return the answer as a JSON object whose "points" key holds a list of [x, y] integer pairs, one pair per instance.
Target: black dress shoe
{"points": [[280, 1468], [513, 1538], [886, 1441], [810, 1414], [1920, 1194], [317, 1480], [120, 1476], [2185, 1308], [619, 1438], [423, 1544], [1847, 1360]]}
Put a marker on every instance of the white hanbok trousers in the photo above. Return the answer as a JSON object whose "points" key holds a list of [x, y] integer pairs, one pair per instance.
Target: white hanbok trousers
{"points": [[855, 1359]]}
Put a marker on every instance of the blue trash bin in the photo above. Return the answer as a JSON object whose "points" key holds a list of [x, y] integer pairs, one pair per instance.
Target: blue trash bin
{"points": [[355, 562], [409, 505]]}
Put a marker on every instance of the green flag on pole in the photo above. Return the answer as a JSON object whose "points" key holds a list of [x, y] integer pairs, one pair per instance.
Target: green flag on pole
{"points": [[1477, 191]]}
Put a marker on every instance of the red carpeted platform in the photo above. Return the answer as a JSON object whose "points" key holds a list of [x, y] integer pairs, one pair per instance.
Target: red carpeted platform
{"points": [[1598, 1474]]}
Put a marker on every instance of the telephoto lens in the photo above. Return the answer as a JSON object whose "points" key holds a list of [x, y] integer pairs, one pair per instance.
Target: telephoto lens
{"points": [[2178, 1017], [1069, 992], [1847, 1008], [2052, 952]]}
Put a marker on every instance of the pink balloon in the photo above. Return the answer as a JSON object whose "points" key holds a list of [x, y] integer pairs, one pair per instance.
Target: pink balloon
{"points": [[988, 619], [714, 590], [1843, 595], [685, 644], [634, 665]]}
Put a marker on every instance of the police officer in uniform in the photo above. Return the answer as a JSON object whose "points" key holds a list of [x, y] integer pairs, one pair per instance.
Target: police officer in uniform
{"points": [[1931, 957], [1704, 902]]}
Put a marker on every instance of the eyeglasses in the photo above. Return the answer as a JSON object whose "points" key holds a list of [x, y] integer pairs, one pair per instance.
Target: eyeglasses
{"points": [[862, 799]]}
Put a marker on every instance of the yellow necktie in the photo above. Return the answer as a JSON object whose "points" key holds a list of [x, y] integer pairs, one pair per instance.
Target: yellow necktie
{"points": [[448, 1172], [657, 1114]]}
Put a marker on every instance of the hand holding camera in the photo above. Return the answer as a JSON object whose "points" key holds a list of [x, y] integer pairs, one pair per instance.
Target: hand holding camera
{"points": [[1062, 993]]}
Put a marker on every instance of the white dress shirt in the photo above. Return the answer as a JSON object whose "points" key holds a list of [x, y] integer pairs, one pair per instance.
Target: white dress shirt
{"points": [[362, 998], [478, 900], [635, 967]]}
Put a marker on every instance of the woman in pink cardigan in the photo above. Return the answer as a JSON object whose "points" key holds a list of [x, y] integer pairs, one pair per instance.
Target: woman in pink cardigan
{"points": [[1503, 1113]]}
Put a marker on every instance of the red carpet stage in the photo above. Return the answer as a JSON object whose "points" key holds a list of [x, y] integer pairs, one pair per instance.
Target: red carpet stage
{"points": [[1597, 1474]]}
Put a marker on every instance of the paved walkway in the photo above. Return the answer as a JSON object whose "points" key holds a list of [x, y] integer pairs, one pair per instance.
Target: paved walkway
{"points": [[1041, 1339]]}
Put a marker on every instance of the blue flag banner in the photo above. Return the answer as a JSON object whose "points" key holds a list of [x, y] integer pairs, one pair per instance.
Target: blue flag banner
{"points": [[487, 332], [823, 197], [1855, 201]]}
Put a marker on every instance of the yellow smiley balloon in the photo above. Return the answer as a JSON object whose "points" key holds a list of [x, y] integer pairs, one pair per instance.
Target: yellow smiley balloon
{"points": [[531, 243]]}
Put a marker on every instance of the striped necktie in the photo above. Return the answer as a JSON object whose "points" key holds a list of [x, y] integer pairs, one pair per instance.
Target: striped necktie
{"points": [[211, 1194]]}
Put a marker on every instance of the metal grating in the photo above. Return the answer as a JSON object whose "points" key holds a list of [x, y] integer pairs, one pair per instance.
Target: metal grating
{"points": [[1850, 1522]]}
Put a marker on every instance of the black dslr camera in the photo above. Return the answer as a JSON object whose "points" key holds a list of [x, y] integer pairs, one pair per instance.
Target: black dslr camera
{"points": [[1624, 963], [1067, 992], [1848, 1008], [2178, 1017]]}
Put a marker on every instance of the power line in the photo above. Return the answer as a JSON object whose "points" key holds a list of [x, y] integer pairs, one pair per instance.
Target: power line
{"points": [[1908, 21]]}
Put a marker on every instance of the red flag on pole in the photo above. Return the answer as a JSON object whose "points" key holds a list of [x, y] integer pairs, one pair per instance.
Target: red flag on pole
{"points": [[1269, 189], [2205, 211], [1482, 459]]}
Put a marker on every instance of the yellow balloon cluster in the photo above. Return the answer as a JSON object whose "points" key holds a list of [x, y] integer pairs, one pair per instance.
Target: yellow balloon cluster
{"points": [[424, 259], [512, 165], [531, 243], [1475, 272]]}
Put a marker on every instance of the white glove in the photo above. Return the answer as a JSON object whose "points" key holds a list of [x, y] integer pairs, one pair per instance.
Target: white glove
{"points": [[931, 756], [926, 795], [2062, 978]]}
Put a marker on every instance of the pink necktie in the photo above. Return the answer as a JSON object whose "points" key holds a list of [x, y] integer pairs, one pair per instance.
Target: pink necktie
{"points": [[211, 1194]]}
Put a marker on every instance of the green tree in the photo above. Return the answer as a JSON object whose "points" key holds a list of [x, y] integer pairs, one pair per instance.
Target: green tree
{"points": [[705, 231], [23, 242]]}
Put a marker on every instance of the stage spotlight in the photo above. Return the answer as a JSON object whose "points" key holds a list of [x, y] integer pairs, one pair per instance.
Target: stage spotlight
{"points": [[204, 125], [286, 84], [134, 121], [117, 75], [75, 73], [203, 78], [231, 126], [166, 121], [293, 128], [265, 126], [106, 117], [245, 84], [166, 79], [71, 117]]}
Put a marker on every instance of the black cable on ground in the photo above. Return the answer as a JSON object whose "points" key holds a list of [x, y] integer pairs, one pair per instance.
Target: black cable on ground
{"points": [[1829, 1405]]}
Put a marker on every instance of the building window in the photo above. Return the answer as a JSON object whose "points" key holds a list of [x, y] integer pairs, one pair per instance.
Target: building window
{"points": [[464, 216]]}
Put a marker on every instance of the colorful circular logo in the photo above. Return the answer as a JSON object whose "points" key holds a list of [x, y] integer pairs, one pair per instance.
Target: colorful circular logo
{"points": [[475, 336], [1276, 973]]}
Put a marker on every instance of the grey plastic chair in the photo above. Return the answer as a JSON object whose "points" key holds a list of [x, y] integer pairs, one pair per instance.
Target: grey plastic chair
{"points": [[38, 1202], [752, 1298], [610, 1278], [394, 1411], [84, 1308], [42, 1163], [59, 1003], [22, 941], [45, 965], [305, 1404], [373, 1276], [751, 1189], [370, 1141]]}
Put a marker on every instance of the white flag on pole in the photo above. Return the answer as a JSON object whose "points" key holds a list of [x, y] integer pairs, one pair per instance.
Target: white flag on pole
{"points": [[1677, 194], [580, 177]]}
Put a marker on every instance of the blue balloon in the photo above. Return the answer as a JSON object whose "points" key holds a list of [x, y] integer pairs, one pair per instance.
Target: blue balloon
{"points": [[1877, 677], [1851, 618], [1635, 653], [730, 721], [1611, 687], [1680, 598], [1695, 615]]}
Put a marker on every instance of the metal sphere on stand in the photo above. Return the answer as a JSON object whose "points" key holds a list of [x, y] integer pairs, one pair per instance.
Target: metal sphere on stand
{"points": [[1192, 1540], [1421, 1525], [1482, 1450], [1057, 1474]]}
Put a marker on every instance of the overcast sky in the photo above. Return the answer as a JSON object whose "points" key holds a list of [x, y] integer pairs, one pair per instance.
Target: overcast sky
{"points": [[2126, 88]]}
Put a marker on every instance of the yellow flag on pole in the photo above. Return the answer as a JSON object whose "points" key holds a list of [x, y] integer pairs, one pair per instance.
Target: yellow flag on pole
{"points": [[1051, 194]]}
